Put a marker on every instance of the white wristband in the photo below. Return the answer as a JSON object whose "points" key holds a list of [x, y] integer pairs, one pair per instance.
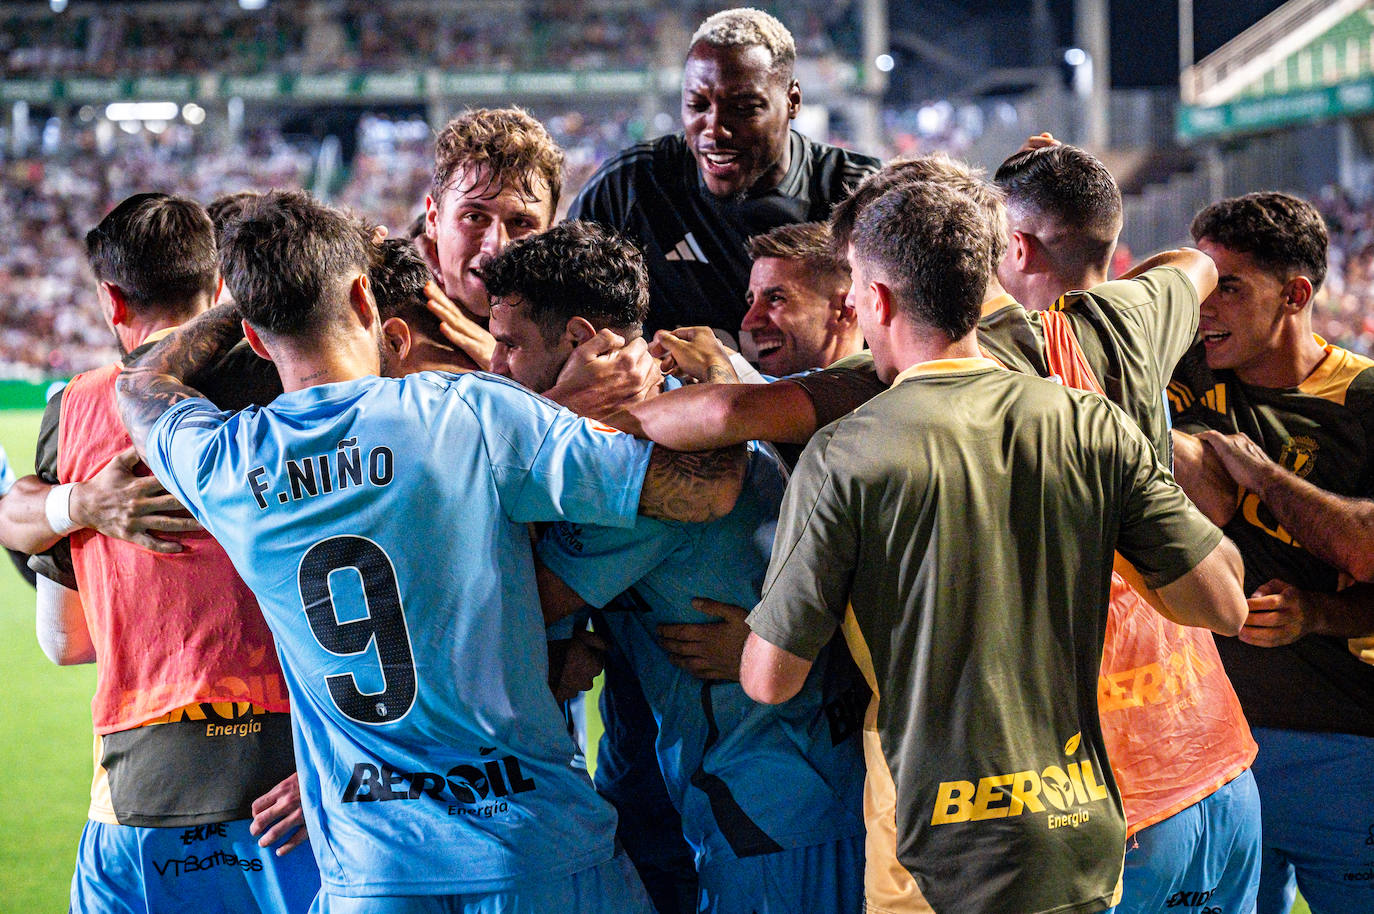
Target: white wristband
{"points": [[57, 508]]}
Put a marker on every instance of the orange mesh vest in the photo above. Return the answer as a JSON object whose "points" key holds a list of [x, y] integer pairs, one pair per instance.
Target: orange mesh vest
{"points": [[1172, 723], [168, 630]]}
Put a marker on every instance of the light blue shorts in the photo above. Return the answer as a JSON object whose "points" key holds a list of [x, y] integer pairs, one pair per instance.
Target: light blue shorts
{"points": [[820, 879], [1203, 858], [1317, 800], [124, 869], [610, 888]]}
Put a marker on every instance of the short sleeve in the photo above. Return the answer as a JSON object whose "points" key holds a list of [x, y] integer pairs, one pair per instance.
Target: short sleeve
{"points": [[45, 455], [842, 388], [549, 464], [807, 588], [600, 563], [1159, 310], [177, 445], [1162, 534]]}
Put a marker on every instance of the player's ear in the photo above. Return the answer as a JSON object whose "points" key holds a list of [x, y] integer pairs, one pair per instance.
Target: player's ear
{"points": [[396, 337], [117, 309], [883, 305], [361, 300], [255, 341], [1297, 293], [431, 216], [842, 313], [794, 99], [578, 331]]}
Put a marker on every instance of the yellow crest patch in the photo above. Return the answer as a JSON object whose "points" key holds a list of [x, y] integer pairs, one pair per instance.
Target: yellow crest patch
{"points": [[1299, 455]]}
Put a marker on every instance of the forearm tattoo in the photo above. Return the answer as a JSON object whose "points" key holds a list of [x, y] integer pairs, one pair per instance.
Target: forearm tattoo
{"points": [[694, 486]]}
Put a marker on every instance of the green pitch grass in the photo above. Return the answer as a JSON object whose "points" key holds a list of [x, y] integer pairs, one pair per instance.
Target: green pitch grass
{"points": [[45, 736]]}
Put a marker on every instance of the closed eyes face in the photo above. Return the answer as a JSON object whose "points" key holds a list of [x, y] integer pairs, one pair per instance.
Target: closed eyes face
{"points": [[523, 353]]}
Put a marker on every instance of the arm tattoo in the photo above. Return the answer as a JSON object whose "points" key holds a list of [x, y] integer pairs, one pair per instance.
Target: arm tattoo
{"points": [[162, 377], [721, 374], [694, 486]]}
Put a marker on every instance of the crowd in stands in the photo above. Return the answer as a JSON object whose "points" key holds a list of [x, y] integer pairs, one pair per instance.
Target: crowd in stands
{"points": [[50, 325], [120, 39]]}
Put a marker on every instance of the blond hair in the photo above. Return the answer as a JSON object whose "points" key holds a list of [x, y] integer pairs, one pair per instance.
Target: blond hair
{"points": [[746, 27]]}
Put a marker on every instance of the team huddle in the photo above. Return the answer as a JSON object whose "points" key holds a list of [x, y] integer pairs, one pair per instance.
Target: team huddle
{"points": [[899, 531]]}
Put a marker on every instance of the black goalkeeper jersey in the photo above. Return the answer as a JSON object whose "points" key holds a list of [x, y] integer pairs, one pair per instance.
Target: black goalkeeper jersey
{"points": [[693, 241], [1323, 430]]}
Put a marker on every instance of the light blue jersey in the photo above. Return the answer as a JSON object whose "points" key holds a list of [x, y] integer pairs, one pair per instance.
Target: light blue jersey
{"points": [[381, 524], [748, 778], [6, 474]]}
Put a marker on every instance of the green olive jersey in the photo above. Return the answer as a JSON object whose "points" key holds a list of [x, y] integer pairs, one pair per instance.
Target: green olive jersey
{"points": [[1132, 333], [1322, 430], [960, 527]]}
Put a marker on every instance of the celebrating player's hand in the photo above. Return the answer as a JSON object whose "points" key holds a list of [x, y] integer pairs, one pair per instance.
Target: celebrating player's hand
{"points": [[695, 354], [459, 329], [604, 374], [1204, 478], [121, 504], [710, 650], [1278, 615], [277, 814], [1243, 459], [1039, 141]]}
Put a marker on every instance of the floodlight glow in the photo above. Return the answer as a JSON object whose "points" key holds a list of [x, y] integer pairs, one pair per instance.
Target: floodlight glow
{"points": [[141, 111], [193, 114], [57, 5], [252, 4], [1075, 57], [885, 63]]}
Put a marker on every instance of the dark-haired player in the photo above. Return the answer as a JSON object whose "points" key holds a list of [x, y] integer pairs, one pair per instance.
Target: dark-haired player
{"points": [[798, 316], [935, 540], [434, 771], [691, 200], [193, 738], [1291, 420], [721, 755]]}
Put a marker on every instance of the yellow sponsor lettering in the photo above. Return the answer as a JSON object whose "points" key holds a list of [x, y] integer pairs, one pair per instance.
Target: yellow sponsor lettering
{"points": [[1067, 789], [1025, 793], [989, 792], [954, 803], [1250, 510]]}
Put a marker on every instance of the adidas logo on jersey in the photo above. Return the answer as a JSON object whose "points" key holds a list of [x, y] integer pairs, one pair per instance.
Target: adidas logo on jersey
{"points": [[687, 250]]}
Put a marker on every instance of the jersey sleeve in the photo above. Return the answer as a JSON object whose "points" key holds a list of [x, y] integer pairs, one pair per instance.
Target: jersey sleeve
{"points": [[600, 563], [549, 464], [842, 388], [177, 447], [1158, 314], [55, 563], [807, 588], [1162, 534]]}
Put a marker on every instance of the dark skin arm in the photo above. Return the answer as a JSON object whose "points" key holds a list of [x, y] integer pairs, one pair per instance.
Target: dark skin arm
{"points": [[1281, 614], [163, 376]]}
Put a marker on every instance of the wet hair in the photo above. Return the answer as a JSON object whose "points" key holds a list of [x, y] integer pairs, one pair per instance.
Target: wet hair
{"points": [[1073, 190], [931, 245], [750, 28], [288, 260], [398, 277], [936, 167], [1283, 234], [512, 147], [159, 250], [575, 269], [806, 243]]}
